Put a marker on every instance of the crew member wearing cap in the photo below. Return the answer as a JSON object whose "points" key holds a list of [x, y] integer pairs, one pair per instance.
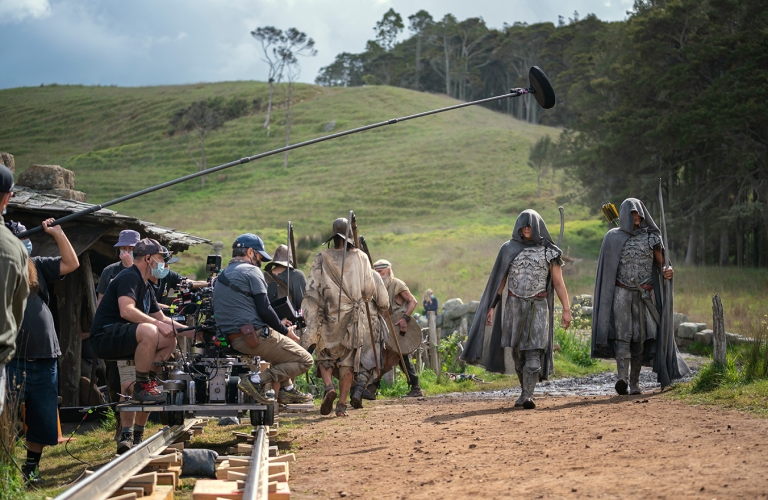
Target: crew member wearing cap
{"points": [[337, 322], [244, 314], [400, 300], [129, 324], [125, 243], [14, 286], [33, 372], [280, 275]]}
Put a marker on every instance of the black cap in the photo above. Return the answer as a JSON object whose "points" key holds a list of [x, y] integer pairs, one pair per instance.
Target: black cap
{"points": [[6, 179], [148, 246]]}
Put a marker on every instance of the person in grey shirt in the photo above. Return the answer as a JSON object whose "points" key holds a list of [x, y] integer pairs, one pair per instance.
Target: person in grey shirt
{"points": [[240, 302]]}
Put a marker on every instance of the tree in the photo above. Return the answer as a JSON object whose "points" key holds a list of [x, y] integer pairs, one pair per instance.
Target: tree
{"points": [[540, 159], [295, 43], [421, 22], [203, 117], [199, 118], [271, 39], [346, 70]]}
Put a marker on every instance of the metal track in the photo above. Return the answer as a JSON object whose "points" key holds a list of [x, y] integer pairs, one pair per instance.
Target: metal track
{"points": [[257, 487], [110, 477]]}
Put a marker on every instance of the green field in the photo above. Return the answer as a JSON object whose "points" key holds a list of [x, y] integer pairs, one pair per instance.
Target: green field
{"points": [[437, 196]]}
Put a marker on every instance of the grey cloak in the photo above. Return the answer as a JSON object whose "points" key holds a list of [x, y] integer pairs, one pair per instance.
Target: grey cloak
{"points": [[492, 358], [661, 352]]}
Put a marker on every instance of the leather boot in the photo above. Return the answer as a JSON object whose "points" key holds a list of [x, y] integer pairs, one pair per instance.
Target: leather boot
{"points": [[529, 382], [622, 367], [523, 395], [634, 376], [357, 397]]}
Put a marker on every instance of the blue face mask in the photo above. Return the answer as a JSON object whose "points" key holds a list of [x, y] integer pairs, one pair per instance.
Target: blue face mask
{"points": [[159, 272], [28, 244], [164, 272]]}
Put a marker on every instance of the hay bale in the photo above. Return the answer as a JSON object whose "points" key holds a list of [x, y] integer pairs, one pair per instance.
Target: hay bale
{"points": [[45, 177]]}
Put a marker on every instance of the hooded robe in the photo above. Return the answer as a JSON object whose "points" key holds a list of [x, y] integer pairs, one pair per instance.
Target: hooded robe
{"points": [[659, 350], [492, 356]]}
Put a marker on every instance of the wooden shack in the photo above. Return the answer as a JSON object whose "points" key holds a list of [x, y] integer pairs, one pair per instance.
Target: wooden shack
{"points": [[73, 300]]}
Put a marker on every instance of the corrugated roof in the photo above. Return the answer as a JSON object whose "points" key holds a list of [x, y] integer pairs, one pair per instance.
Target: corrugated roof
{"points": [[26, 199]]}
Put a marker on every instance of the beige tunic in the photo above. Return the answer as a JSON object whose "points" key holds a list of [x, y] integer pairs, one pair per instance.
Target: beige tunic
{"points": [[395, 287], [338, 337], [380, 328]]}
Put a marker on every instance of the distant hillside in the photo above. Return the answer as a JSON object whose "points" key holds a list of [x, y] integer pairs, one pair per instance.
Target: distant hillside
{"points": [[462, 173]]}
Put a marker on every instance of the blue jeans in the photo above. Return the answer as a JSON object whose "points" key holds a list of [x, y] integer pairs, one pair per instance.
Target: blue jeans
{"points": [[38, 383]]}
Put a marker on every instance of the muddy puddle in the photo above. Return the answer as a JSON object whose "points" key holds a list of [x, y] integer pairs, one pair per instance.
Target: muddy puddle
{"points": [[601, 384]]}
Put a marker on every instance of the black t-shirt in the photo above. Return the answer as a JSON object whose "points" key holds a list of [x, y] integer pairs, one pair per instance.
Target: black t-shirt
{"points": [[37, 336], [107, 275], [128, 283], [164, 285]]}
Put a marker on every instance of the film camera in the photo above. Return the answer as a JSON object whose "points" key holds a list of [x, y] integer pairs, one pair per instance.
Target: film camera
{"points": [[203, 379]]}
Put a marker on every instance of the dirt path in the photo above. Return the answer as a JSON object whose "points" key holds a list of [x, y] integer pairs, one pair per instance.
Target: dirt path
{"points": [[569, 447]]}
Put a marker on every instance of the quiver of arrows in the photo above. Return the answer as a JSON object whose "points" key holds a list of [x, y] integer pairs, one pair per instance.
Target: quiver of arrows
{"points": [[610, 212]]}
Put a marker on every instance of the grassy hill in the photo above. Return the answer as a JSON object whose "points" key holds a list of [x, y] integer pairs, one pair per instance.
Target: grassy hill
{"points": [[437, 195]]}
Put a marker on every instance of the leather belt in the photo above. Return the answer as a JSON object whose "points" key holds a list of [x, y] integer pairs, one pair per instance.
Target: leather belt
{"points": [[537, 296], [644, 287], [233, 336]]}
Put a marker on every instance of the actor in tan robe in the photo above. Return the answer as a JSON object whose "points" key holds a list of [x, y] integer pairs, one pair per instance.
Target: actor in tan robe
{"points": [[336, 321]]}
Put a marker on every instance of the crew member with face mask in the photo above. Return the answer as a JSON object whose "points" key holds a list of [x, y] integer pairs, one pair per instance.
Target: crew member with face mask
{"points": [[170, 280], [129, 324], [125, 243]]}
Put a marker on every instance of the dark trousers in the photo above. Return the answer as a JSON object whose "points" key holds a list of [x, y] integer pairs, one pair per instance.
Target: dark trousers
{"points": [[413, 377]]}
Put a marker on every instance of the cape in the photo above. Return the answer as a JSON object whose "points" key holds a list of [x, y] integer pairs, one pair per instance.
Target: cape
{"points": [[661, 353], [490, 354]]}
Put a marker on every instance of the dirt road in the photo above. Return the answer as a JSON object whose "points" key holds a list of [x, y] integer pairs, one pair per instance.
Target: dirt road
{"points": [[569, 447]]}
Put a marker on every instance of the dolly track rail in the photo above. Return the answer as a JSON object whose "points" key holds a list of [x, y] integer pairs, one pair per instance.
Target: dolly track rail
{"points": [[108, 479], [257, 487]]}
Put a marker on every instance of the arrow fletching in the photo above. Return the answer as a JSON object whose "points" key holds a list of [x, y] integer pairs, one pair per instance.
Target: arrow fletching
{"points": [[610, 212]]}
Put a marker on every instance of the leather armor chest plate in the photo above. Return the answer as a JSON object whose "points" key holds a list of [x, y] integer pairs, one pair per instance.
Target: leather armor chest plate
{"points": [[636, 261], [528, 272]]}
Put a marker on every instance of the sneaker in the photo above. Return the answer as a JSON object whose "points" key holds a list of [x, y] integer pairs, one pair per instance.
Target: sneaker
{"points": [[293, 396], [415, 392], [31, 474], [147, 393], [256, 391], [126, 442]]}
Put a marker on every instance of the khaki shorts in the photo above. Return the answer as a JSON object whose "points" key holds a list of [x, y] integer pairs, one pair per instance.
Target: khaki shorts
{"points": [[127, 371]]}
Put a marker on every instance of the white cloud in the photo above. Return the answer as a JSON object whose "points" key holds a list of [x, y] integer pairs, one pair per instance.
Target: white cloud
{"points": [[18, 10]]}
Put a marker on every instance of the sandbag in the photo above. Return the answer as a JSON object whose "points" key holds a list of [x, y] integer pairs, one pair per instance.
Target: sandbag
{"points": [[199, 463]]}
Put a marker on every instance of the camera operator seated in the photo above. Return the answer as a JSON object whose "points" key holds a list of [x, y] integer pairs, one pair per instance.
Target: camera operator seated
{"points": [[244, 314], [129, 324]]}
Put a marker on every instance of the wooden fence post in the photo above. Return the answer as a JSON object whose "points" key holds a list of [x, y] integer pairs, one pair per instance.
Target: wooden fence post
{"points": [[718, 328], [433, 357]]}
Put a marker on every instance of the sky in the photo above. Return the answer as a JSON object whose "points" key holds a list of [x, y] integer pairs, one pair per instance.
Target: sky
{"points": [[151, 42]]}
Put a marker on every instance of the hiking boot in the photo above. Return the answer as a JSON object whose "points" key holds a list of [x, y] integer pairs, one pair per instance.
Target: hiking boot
{"points": [[138, 437], [256, 391], [126, 442], [31, 473], [415, 392], [147, 393], [293, 396], [328, 398]]}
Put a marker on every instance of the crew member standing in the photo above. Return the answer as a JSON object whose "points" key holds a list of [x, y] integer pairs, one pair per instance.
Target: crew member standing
{"points": [[400, 300], [34, 373], [14, 285], [336, 322], [528, 271]]}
